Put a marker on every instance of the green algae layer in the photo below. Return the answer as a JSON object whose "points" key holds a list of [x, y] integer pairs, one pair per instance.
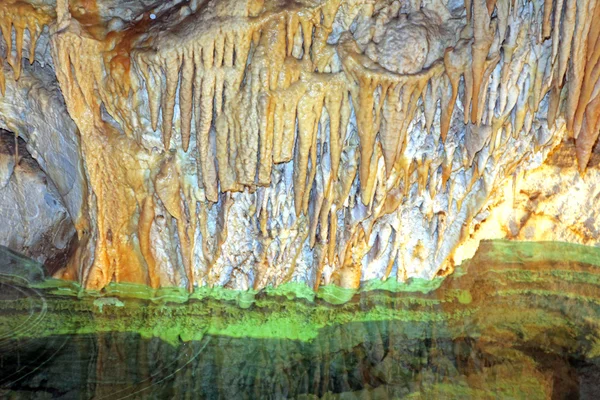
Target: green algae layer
{"points": [[549, 282], [519, 320]]}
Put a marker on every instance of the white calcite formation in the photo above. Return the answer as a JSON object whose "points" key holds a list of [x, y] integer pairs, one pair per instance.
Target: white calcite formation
{"points": [[255, 142]]}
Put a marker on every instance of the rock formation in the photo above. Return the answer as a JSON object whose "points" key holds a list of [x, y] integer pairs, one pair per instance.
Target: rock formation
{"points": [[553, 202], [251, 143], [35, 219]]}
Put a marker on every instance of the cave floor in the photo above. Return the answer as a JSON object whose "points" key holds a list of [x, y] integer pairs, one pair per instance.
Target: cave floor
{"points": [[519, 320]]}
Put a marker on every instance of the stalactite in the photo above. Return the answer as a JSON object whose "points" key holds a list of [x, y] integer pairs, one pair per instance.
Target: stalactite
{"points": [[483, 37], [558, 13], [366, 132], [590, 129], [186, 92], [546, 25], [591, 74], [392, 118], [21, 16], [266, 140], [336, 102], [171, 66], [578, 58], [431, 106], [283, 105], [204, 91], [455, 62]]}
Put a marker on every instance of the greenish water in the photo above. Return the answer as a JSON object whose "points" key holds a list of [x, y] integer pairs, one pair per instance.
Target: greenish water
{"points": [[520, 320]]}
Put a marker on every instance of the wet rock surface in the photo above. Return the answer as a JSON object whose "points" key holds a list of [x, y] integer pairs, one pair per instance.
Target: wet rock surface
{"points": [[33, 218]]}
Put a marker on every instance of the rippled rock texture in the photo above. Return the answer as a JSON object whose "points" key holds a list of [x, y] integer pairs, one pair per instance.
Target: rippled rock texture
{"points": [[257, 142], [520, 320]]}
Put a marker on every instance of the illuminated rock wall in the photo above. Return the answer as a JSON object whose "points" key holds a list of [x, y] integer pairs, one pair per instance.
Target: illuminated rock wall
{"points": [[250, 143]]}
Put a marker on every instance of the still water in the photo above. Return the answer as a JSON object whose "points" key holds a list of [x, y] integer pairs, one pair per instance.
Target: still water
{"points": [[519, 321]]}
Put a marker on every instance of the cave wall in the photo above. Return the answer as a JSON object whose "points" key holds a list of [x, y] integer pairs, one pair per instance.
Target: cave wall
{"points": [[252, 143], [35, 220]]}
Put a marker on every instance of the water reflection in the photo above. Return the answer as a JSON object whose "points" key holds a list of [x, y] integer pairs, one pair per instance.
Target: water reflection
{"points": [[517, 325]]}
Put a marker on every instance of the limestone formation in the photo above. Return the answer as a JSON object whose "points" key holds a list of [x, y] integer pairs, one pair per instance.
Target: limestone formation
{"points": [[252, 143], [34, 218], [550, 203]]}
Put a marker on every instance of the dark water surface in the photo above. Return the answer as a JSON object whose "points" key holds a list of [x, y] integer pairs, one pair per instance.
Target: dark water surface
{"points": [[519, 322]]}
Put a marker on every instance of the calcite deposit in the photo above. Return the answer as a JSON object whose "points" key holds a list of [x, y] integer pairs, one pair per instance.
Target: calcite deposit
{"points": [[553, 203], [257, 142]]}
